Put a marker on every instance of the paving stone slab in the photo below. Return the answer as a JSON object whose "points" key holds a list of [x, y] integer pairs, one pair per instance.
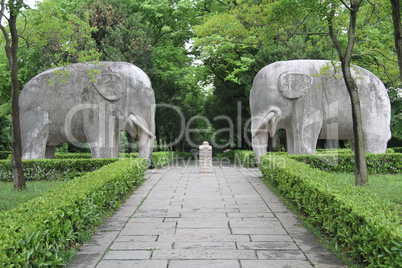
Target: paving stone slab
{"points": [[205, 245], [132, 264], [204, 237], [149, 231], [203, 224], [127, 255], [98, 243], [145, 220], [270, 238], [113, 224], [274, 230], [281, 255], [203, 254], [136, 238], [136, 245], [275, 264], [267, 214], [156, 224], [258, 224], [204, 264], [205, 231], [85, 260], [268, 245], [205, 215]]}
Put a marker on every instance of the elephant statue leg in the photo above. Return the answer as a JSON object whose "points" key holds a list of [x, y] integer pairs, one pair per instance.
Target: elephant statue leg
{"points": [[290, 143], [101, 132], [306, 133], [376, 145], [35, 132], [50, 151]]}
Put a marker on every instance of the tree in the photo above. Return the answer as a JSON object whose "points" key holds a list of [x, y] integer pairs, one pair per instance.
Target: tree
{"points": [[11, 47], [174, 80], [57, 33], [345, 56], [236, 40]]}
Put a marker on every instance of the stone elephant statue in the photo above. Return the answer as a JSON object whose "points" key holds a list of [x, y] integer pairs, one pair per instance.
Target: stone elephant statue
{"points": [[87, 102], [309, 99]]}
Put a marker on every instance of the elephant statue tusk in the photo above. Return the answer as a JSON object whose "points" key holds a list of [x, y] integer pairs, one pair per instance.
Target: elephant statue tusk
{"points": [[134, 119], [263, 123]]}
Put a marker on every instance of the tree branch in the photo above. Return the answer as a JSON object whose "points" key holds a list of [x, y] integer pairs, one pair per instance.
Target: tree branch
{"points": [[332, 34], [309, 34], [346, 5]]}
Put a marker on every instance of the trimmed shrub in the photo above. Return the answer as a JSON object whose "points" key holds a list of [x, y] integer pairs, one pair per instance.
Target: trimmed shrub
{"points": [[344, 151], [35, 233], [72, 155], [397, 149], [5, 154], [366, 226], [88, 155], [163, 159], [376, 163], [242, 157], [47, 169]]}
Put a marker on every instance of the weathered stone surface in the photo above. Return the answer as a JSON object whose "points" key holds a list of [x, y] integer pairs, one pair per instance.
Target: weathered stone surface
{"points": [[131, 264], [275, 264], [204, 264], [127, 255], [309, 99], [205, 158]]}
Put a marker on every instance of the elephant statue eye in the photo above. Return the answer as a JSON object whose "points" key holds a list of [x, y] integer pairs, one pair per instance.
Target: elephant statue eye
{"points": [[293, 85]]}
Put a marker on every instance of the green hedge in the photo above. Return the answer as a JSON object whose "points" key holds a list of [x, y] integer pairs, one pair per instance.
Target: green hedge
{"points": [[376, 163], [163, 159], [72, 155], [5, 154], [397, 149], [88, 155], [345, 151], [35, 233], [67, 166], [368, 227], [242, 157], [46, 169]]}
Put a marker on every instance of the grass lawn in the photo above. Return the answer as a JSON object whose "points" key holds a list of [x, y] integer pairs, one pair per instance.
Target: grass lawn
{"points": [[10, 199], [387, 186]]}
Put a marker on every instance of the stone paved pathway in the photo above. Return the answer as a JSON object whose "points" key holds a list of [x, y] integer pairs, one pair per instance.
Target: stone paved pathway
{"points": [[181, 218]]}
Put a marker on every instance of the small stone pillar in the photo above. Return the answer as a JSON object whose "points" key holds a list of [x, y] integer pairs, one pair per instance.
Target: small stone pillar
{"points": [[205, 159]]}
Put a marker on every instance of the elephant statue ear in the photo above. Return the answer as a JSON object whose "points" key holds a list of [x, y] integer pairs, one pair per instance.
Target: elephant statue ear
{"points": [[110, 86], [293, 84]]}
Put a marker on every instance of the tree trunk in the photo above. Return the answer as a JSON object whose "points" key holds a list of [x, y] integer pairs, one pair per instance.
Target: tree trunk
{"points": [[16, 162], [361, 176], [396, 18]]}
